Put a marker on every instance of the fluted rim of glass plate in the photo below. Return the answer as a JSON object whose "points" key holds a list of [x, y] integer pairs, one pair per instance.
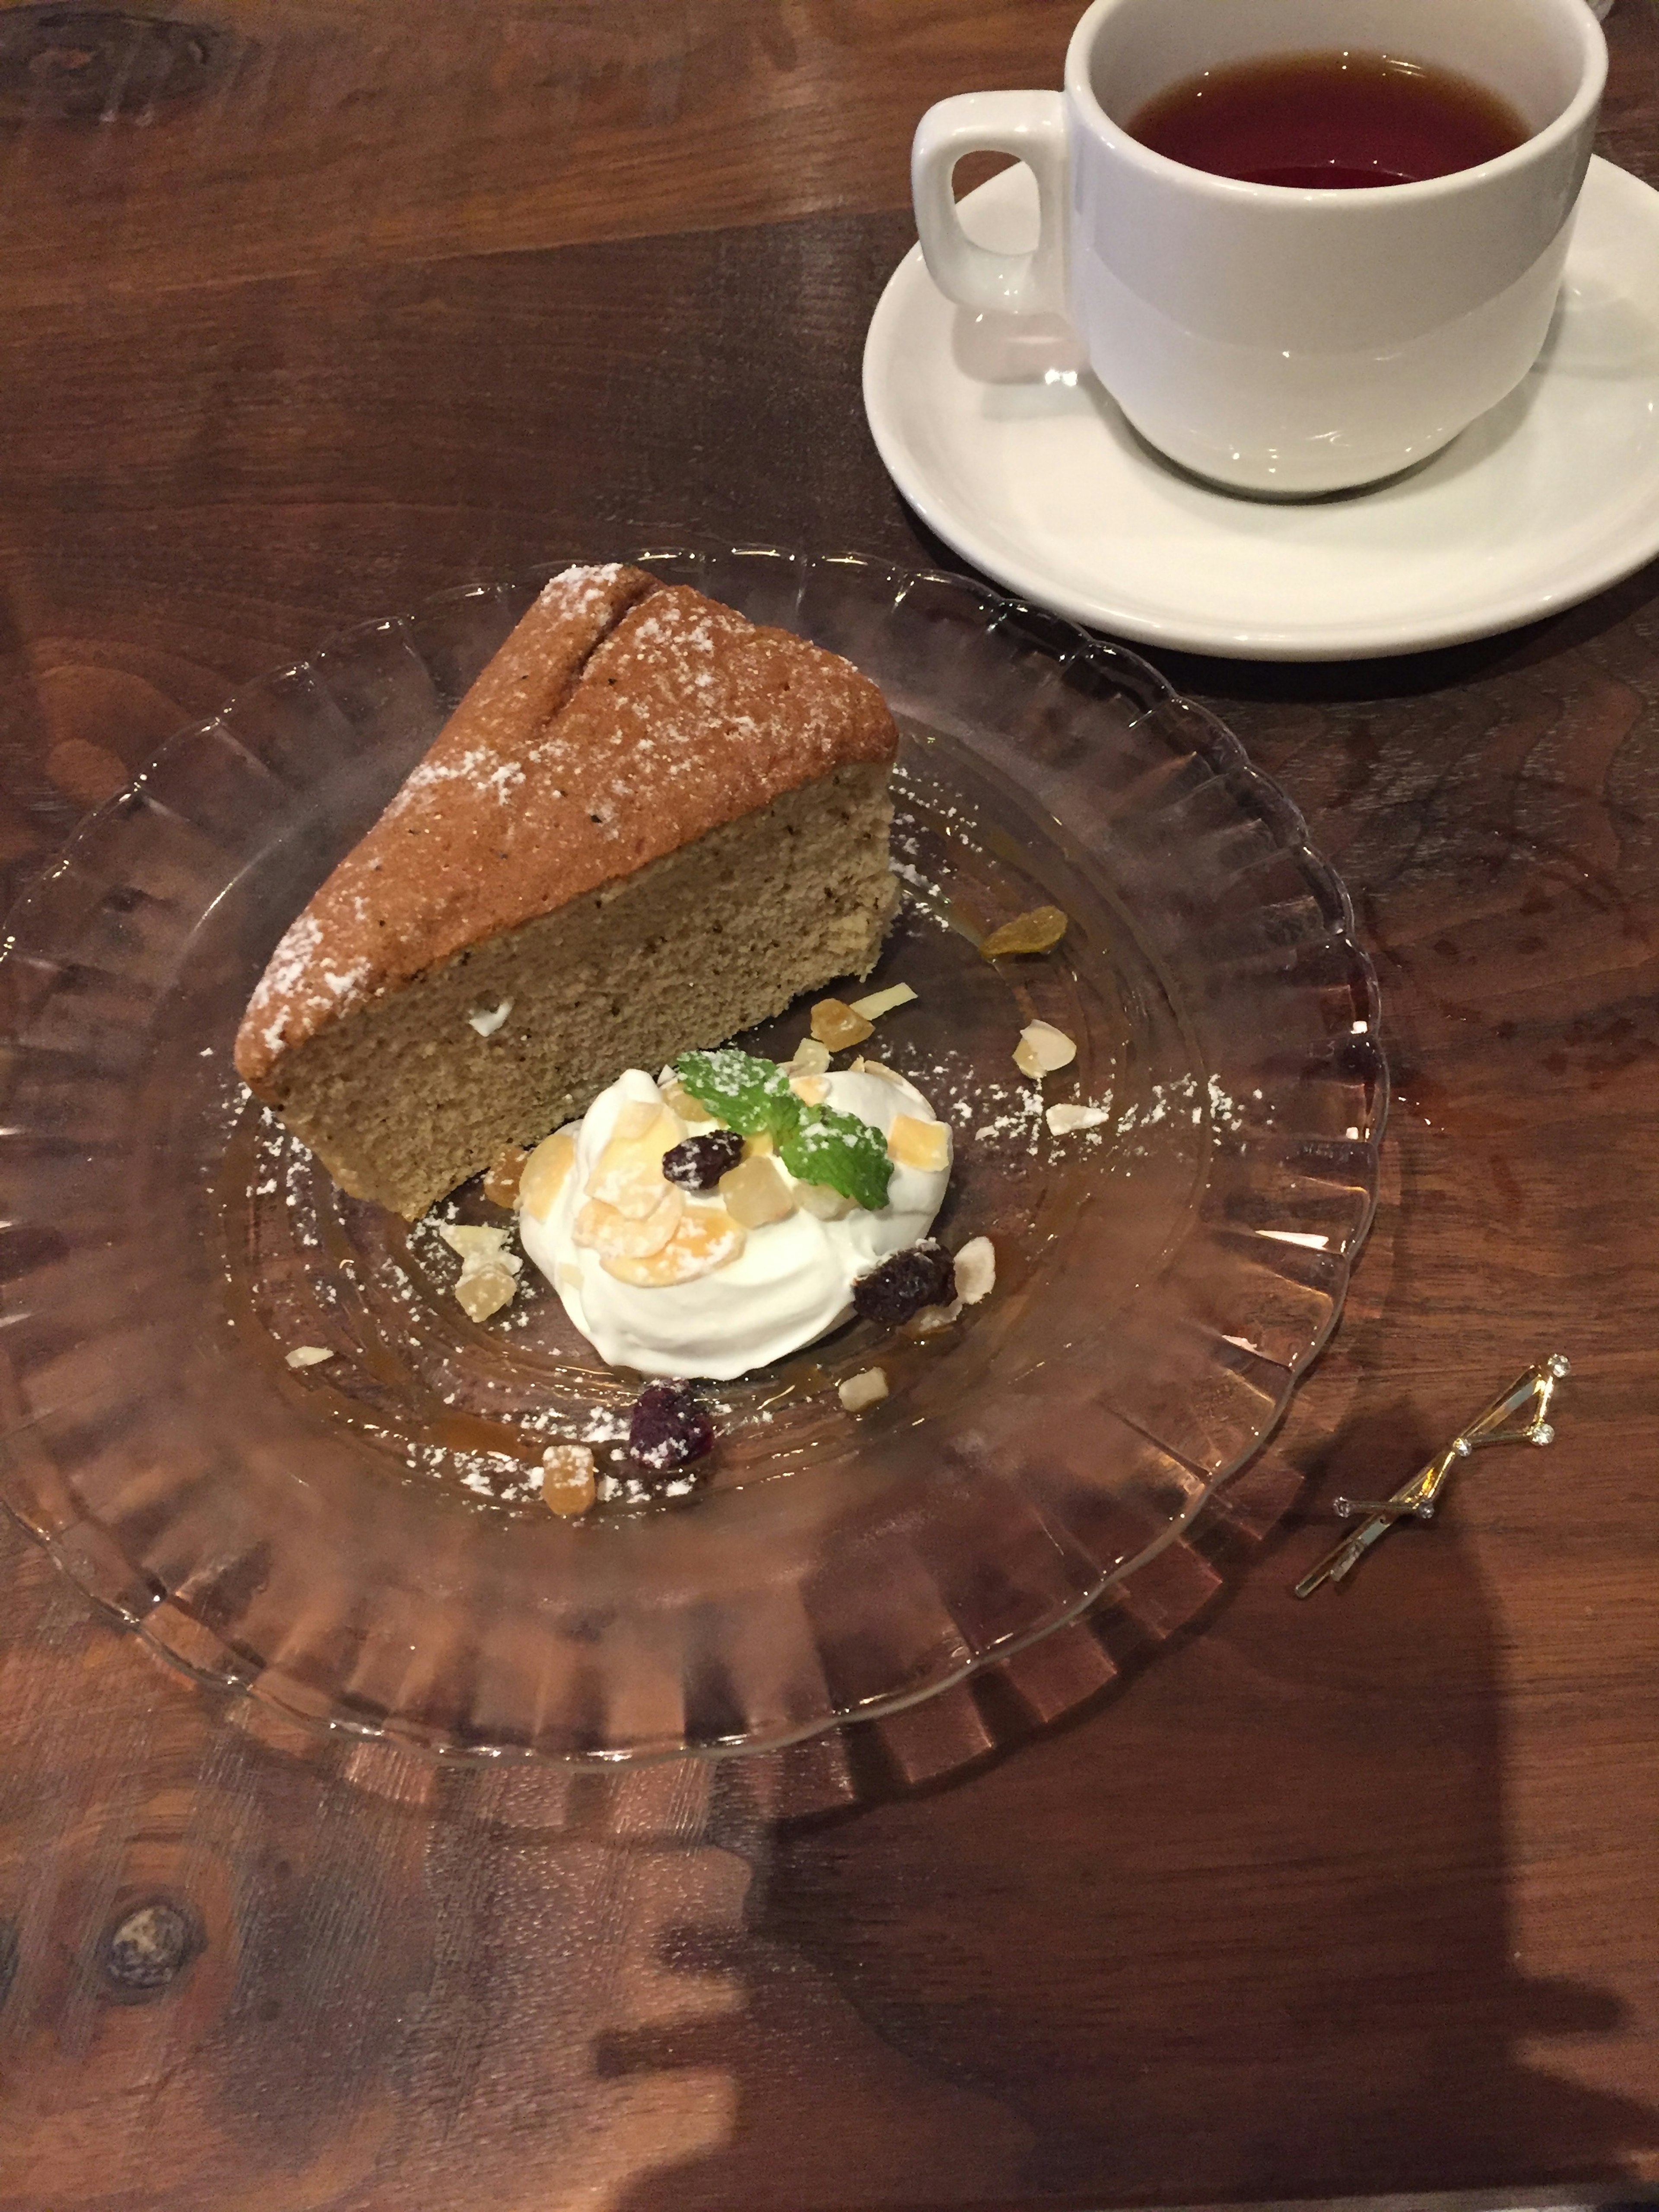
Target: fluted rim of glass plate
{"points": [[1226, 756]]}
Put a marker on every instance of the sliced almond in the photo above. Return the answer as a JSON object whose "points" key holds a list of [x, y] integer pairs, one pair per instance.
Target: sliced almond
{"points": [[1042, 1048], [811, 1058], [569, 1485], [613, 1235], [976, 1270], [823, 1203], [307, 1355], [628, 1173], [706, 1238], [867, 1388], [810, 1089], [912, 1143], [882, 1002], [755, 1193], [1063, 1120], [544, 1174], [836, 1025]]}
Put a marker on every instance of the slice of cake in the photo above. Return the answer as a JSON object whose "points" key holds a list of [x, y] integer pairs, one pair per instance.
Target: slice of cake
{"points": [[649, 824]]}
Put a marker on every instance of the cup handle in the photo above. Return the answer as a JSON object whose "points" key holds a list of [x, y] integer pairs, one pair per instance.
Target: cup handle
{"points": [[1031, 126]]}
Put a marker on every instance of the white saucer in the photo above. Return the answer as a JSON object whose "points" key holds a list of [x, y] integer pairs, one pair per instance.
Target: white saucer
{"points": [[1018, 458]]}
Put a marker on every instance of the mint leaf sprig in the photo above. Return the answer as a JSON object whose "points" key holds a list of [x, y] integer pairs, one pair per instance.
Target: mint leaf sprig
{"points": [[815, 1143], [848, 1154], [749, 1094]]}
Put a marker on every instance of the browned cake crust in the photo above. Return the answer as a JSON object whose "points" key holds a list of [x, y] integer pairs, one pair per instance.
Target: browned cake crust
{"points": [[621, 720]]}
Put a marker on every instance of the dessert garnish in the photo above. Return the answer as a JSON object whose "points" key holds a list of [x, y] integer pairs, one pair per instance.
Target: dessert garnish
{"points": [[868, 1387], [1038, 931], [307, 1355], [750, 1095], [882, 1002], [501, 1183], [976, 1270], [676, 1280], [1042, 1048], [569, 1482], [815, 1143], [668, 1428], [1063, 1120], [699, 1163], [905, 1282], [836, 1025], [489, 1272]]}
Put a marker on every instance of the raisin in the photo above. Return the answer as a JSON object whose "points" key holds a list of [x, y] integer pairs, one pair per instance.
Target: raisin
{"points": [[1039, 931], [922, 1275], [699, 1163], [668, 1427]]}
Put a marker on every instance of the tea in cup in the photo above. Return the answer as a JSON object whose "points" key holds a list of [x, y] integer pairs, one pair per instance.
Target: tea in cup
{"points": [[1304, 243]]}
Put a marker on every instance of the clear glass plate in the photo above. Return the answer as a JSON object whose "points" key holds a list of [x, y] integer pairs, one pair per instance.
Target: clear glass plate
{"points": [[360, 1543]]}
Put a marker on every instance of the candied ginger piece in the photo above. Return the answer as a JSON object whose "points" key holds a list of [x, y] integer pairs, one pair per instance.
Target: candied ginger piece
{"points": [[678, 1100], [912, 1143], [569, 1485], [503, 1178], [485, 1290], [835, 1025], [489, 1272], [824, 1204], [754, 1193], [544, 1173]]}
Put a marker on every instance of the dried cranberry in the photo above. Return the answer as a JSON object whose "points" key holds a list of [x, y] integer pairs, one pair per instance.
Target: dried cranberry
{"points": [[668, 1427], [699, 1163], [922, 1275]]}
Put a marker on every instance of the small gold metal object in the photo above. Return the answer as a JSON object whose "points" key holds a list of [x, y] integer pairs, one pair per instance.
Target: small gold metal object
{"points": [[1529, 1396]]}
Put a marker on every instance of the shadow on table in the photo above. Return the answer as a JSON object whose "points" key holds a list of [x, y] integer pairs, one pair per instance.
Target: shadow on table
{"points": [[1232, 1922], [1240, 1926]]}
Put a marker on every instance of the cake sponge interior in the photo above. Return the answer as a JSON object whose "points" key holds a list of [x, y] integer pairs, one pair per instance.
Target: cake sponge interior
{"points": [[406, 1097]]}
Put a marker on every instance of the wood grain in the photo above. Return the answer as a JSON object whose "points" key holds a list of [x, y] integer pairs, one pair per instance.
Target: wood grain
{"points": [[313, 138], [1228, 1899]]}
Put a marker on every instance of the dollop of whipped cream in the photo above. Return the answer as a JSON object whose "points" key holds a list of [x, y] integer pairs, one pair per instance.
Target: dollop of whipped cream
{"points": [[791, 1283]]}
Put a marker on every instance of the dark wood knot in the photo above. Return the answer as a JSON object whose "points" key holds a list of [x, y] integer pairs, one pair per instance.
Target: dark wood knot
{"points": [[101, 64], [148, 1947]]}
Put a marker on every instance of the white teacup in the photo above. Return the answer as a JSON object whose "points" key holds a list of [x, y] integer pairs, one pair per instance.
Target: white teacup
{"points": [[1280, 341]]}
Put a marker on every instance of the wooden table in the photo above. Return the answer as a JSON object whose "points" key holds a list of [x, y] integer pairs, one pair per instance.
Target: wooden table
{"points": [[314, 306]]}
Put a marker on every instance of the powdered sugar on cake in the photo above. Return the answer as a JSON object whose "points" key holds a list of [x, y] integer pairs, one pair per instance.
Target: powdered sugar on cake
{"points": [[623, 720]]}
